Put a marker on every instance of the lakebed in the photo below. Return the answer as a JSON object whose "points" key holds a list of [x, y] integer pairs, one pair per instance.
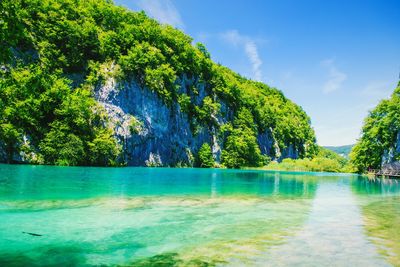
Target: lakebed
{"points": [[87, 216]]}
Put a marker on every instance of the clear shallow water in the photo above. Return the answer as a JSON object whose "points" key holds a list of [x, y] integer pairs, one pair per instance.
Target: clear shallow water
{"points": [[188, 217]]}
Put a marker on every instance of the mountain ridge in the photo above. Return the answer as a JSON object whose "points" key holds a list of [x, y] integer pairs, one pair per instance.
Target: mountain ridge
{"points": [[343, 151]]}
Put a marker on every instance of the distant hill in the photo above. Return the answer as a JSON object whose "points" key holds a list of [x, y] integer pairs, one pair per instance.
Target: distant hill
{"points": [[344, 151]]}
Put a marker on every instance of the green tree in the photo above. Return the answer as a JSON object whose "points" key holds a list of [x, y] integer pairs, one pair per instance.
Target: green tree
{"points": [[11, 138], [241, 147], [205, 156], [103, 150], [53, 53], [379, 134]]}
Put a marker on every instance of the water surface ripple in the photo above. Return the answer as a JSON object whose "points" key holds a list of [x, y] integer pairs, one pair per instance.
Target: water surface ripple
{"points": [[52, 216]]}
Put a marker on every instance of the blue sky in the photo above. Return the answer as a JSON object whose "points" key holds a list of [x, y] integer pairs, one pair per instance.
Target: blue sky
{"points": [[335, 58]]}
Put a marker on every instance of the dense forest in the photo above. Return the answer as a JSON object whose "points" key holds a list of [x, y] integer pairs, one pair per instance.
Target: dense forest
{"points": [[380, 140], [53, 54]]}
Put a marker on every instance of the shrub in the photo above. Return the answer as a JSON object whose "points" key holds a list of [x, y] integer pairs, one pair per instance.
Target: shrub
{"points": [[205, 156]]}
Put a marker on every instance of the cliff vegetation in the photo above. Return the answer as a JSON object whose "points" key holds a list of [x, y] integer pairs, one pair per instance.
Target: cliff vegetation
{"points": [[55, 53]]}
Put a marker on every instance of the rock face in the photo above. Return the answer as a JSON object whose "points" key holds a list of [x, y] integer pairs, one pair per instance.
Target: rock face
{"points": [[162, 134], [154, 134], [269, 146], [3, 154], [23, 156], [389, 155]]}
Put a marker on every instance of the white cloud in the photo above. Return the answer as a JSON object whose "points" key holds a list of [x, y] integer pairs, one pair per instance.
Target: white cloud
{"points": [[250, 48], [252, 53], [162, 10], [336, 77], [233, 37]]}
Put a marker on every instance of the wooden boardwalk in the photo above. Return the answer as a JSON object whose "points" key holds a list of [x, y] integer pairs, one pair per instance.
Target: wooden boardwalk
{"points": [[390, 173]]}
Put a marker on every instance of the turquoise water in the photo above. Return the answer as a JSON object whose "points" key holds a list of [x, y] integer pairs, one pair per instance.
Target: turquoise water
{"points": [[185, 217]]}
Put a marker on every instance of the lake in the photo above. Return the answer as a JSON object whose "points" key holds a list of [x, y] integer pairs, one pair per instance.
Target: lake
{"points": [[84, 216]]}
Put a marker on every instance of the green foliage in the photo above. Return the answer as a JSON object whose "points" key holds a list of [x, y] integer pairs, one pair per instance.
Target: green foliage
{"points": [[77, 137], [184, 102], [161, 79], [62, 148], [11, 137], [269, 109], [208, 110], [341, 150], [205, 157], [135, 125], [140, 57], [43, 42], [379, 134], [316, 164], [328, 154], [203, 50], [59, 121], [324, 161], [103, 150], [241, 147]]}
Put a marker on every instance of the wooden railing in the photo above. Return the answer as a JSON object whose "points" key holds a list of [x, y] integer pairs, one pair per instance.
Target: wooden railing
{"points": [[385, 172]]}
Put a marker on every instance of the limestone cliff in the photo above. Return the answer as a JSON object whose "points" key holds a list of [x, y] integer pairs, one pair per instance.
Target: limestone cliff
{"points": [[154, 134], [94, 84]]}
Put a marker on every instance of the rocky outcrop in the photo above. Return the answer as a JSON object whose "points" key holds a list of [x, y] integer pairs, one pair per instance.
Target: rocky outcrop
{"points": [[391, 155], [154, 134], [3, 154], [26, 152], [291, 151], [269, 146], [151, 132], [170, 97], [266, 142]]}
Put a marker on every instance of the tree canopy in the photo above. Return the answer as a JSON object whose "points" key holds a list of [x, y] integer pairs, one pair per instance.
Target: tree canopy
{"points": [[52, 53], [379, 134]]}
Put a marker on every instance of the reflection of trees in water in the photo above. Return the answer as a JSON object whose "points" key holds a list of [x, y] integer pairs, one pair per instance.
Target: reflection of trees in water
{"points": [[42, 182], [383, 220], [375, 186], [269, 184], [380, 206]]}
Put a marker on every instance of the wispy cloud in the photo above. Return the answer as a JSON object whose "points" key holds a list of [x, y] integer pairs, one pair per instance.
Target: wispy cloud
{"points": [[336, 77], [250, 48], [162, 10]]}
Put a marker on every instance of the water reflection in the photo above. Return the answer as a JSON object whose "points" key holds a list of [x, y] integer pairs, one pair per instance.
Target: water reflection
{"points": [[112, 216], [46, 182], [375, 186]]}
